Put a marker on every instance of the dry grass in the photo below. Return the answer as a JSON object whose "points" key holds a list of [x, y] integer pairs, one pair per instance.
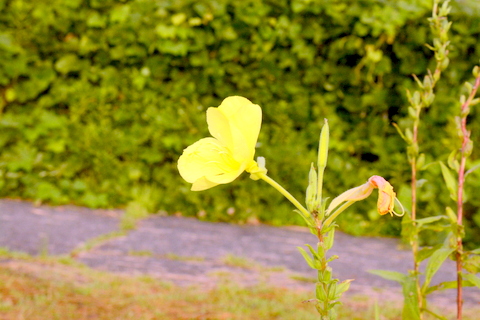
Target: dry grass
{"points": [[45, 288]]}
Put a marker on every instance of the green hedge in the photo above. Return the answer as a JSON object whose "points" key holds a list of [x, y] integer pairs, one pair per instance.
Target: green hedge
{"points": [[100, 97]]}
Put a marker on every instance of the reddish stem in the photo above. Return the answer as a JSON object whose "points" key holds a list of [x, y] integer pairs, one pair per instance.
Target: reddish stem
{"points": [[461, 181]]}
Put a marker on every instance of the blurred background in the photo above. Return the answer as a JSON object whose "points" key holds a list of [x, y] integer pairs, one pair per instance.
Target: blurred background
{"points": [[98, 99]]}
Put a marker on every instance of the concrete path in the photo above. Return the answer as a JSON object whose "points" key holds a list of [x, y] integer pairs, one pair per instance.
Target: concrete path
{"points": [[187, 251]]}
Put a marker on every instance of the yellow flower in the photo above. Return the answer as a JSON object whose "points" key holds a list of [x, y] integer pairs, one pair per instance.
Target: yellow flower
{"points": [[234, 126], [386, 195]]}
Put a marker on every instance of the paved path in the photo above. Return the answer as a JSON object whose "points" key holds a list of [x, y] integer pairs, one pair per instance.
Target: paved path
{"points": [[187, 251]]}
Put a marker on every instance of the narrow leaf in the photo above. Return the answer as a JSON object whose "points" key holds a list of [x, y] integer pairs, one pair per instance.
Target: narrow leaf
{"points": [[314, 253], [400, 132], [329, 239], [426, 252], [434, 263], [429, 220], [446, 285], [312, 263], [452, 161], [449, 181], [436, 315], [390, 275], [474, 279], [451, 215], [411, 310]]}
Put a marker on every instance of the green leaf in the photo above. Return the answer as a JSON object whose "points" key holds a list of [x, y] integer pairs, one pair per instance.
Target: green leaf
{"points": [[341, 288], [453, 162], [411, 310], [434, 263], [400, 132], [474, 279], [311, 262], [446, 285], [67, 63], [426, 252], [390, 275], [451, 215], [449, 181], [321, 293], [438, 316], [475, 251], [429, 220], [329, 239]]}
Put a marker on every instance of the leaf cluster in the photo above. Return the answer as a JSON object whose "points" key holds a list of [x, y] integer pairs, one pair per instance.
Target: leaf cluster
{"points": [[99, 98]]}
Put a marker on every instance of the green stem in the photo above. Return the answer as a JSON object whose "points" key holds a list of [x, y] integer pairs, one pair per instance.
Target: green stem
{"points": [[285, 193], [332, 217]]}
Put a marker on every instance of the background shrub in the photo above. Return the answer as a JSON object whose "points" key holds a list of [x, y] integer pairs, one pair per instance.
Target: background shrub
{"points": [[98, 99]]}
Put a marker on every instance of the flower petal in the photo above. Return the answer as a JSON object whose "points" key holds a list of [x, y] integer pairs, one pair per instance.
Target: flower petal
{"points": [[354, 194], [203, 184], [220, 127], [236, 123], [386, 195], [207, 163]]}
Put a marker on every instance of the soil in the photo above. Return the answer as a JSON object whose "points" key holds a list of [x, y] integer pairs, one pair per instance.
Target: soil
{"points": [[187, 251]]}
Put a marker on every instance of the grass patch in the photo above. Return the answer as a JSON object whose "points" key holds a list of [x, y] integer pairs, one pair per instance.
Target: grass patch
{"points": [[169, 256], [239, 262], [303, 278], [38, 288], [140, 253], [173, 256], [96, 241]]}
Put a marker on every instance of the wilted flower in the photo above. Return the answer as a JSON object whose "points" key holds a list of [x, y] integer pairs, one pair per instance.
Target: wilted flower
{"points": [[386, 195], [234, 126]]}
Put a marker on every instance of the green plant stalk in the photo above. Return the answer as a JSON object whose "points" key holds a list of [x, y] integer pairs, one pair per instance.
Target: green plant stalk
{"points": [[414, 240], [461, 182], [437, 27], [325, 311], [335, 214], [285, 193]]}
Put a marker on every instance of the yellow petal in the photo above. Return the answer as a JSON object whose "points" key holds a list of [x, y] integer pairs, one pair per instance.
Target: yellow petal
{"points": [[219, 127], [386, 195], [236, 124], [207, 163], [354, 194], [203, 184]]}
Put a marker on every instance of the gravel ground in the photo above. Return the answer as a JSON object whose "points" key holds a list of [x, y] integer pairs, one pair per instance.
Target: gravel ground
{"points": [[187, 251]]}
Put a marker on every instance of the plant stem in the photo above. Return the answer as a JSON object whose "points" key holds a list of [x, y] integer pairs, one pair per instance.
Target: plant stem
{"points": [[342, 208], [285, 193], [461, 182], [438, 28], [414, 241]]}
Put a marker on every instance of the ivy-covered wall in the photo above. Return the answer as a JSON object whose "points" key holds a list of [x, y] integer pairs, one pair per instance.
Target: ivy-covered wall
{"points": [[98, 98]]}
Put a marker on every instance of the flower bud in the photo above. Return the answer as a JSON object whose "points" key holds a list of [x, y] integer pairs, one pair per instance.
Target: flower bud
{"points": [[311, 194]]}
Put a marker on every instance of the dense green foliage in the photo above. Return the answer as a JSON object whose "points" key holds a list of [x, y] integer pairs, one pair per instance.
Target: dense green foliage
{"points": [[98, 98]]}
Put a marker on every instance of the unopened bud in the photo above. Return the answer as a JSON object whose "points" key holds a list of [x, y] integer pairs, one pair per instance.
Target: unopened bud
{"points": [[416, 98], [468, 148], [469, 86], [311, 194], [412, 112], [445, 9], [427, 83], [323, 147], [444, 64]]}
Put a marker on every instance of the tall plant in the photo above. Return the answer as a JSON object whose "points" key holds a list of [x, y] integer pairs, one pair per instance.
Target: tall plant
{"points": [[416, 292], [220, 159]]}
